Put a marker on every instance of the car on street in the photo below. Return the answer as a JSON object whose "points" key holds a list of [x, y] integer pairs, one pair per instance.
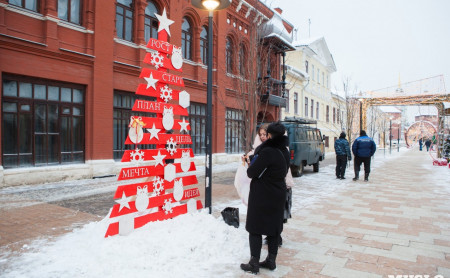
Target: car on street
{"points": [[306, 144]]}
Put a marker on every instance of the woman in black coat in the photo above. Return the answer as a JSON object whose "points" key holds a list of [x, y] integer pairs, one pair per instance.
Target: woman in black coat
{"points": [[267, 197]]}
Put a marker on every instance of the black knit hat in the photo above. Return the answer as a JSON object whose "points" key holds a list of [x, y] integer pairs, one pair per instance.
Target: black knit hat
{"points": [[276, 129]]}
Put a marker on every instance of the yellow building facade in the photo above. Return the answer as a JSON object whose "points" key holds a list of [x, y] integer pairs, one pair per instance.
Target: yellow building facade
{"points": [[309, 71]]}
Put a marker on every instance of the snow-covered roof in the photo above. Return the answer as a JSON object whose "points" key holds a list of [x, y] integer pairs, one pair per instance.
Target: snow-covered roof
{"points": [[320, 50], [425, 115], [297, 72], [306, 42], [287, 45], [340, 94], [274, 28], [390, 109]]}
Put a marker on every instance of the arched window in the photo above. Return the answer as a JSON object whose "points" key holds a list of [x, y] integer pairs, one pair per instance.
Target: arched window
{"points": [[204, 45], [151, 22], [229, 55], [124, 19], [186, 39], [242, 60]]}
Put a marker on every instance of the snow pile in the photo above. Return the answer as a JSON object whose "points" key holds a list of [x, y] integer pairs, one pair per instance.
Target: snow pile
{"points": [[191, 245]]}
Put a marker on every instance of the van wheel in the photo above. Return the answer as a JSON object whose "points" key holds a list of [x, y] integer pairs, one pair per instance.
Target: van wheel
{"points": [[297, 171], [316, 167]]}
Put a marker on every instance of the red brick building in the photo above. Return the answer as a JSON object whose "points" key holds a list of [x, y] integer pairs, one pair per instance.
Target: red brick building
{"points": [[69, 70]]}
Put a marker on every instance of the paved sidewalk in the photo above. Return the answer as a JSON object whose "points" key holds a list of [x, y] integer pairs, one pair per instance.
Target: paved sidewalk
{"points": [[398, 223]]}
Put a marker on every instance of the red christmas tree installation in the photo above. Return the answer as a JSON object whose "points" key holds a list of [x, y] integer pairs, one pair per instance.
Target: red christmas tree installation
{"points": [[140, 203]]}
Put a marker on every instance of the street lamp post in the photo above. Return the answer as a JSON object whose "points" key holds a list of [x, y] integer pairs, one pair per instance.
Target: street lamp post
{"points": [[209, 5], [390, 135]]}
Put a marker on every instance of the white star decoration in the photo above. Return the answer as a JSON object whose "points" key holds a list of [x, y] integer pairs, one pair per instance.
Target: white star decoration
{"points": [[183, 125], [124, 201], [151, 82], [164, 22], [153, 132], [159, 159]]}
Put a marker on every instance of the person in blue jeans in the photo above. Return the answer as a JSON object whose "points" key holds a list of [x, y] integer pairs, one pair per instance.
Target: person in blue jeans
{"points": [[363, 149], [342, 149]]}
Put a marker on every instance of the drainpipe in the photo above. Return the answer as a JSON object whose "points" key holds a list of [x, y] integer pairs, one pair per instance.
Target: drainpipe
{"points": [[283, 84]]}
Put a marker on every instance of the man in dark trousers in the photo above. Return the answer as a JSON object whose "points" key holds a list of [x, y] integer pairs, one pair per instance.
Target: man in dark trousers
{"points": [[363, 149], [428, 144], [342, 149]]}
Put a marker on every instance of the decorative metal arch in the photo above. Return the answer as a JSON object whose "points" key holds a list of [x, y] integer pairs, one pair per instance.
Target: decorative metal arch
{"points": [[432, 99]]}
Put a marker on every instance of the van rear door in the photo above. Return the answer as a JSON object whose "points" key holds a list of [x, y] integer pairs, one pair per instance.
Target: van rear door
{"points": [[311, 147]]}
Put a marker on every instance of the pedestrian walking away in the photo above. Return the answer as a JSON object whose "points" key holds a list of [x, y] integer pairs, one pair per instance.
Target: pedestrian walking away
{"points": [[267, 197], [363, 149], [343, 154], [428, 144], [420, 144]]}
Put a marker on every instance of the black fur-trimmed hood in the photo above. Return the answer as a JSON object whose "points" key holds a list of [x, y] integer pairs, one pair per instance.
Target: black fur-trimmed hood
{"points": [[279, 142]]}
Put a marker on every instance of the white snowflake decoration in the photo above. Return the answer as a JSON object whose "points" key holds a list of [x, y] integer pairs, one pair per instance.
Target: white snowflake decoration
{"points": [[166, 93], [158, 186], [157, 59], [168, 206], [171, 146], [137, 155]]}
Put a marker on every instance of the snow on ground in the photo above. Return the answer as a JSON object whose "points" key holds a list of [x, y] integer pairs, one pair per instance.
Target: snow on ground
{"points": [[192, 245]]}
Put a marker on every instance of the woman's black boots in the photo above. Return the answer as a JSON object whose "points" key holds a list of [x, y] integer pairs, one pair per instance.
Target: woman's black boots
{"points": [[269, 263], [252, 266]]}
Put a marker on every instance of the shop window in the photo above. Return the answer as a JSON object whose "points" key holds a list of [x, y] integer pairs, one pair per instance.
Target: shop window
{"points": [[43, 123], [234, 131], [197, 122], [123, 103]]}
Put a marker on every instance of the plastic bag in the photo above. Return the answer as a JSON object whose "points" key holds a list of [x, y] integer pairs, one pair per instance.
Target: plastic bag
{"points": [[242, 183], [289, 179], [231, 216]]}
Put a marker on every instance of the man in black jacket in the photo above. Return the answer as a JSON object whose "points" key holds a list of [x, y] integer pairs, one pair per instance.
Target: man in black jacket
{"points": [[363, 149], [342, 149]]}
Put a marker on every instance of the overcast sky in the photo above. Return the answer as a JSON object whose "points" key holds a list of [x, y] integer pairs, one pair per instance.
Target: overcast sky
{"points": [[373, 42]]}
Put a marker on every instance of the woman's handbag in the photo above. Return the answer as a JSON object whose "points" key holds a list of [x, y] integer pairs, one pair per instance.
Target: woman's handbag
{"points": [[231, 216]]}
